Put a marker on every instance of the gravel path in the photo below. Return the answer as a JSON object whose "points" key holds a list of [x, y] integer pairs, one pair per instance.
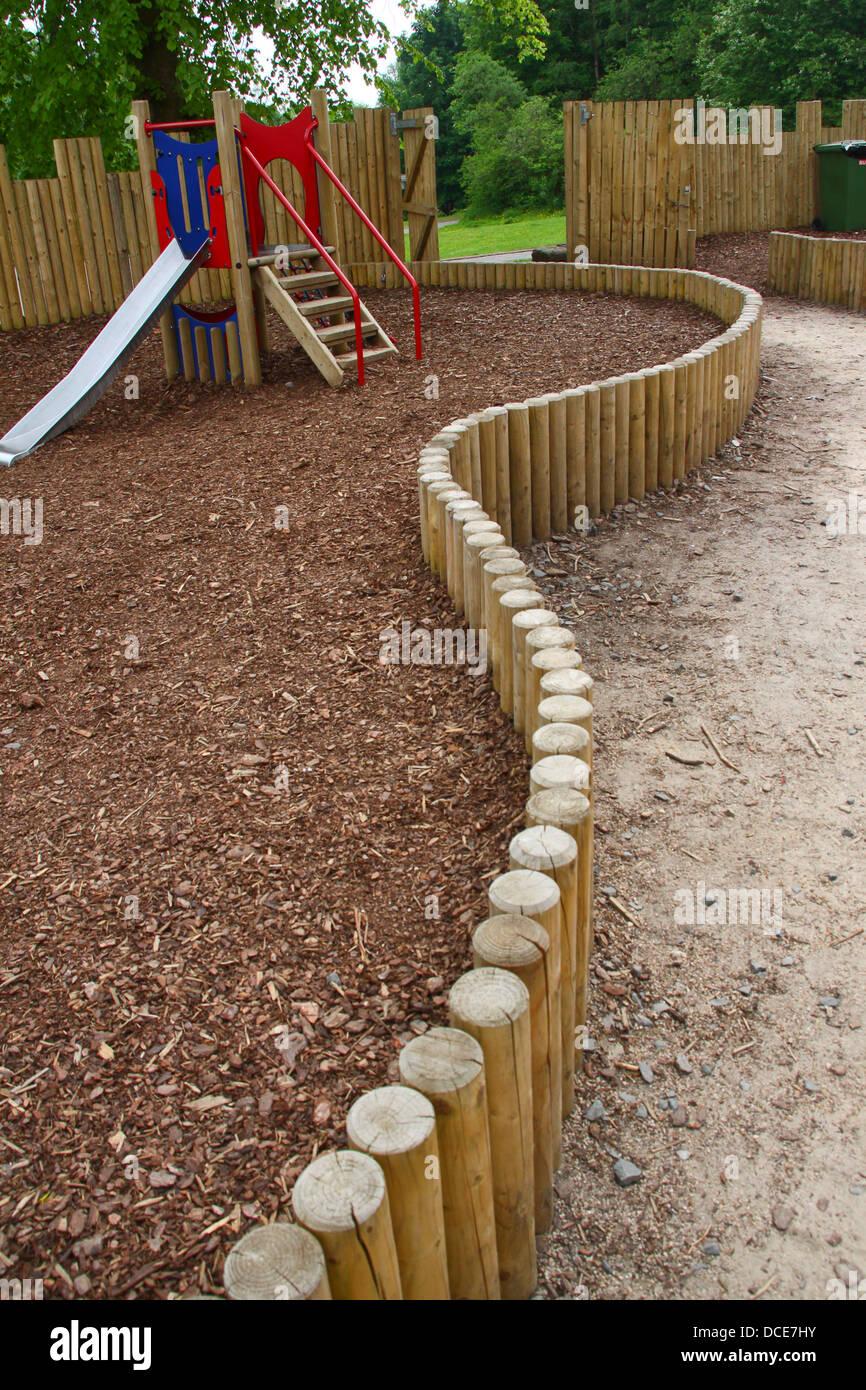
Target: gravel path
{"points": [[730, 1052]]}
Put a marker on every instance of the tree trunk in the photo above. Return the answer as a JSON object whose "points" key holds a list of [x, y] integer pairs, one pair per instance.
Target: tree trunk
{"points": [[158, 66], [594, 44]]}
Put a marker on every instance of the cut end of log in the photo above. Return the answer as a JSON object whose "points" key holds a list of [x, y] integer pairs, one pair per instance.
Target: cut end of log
{"points": [[280, 1262], [338, 1191], [509, 941], [524, 892], [565, 739], [542, 847], [488, 998], [390, 1120], [441, 1060]]}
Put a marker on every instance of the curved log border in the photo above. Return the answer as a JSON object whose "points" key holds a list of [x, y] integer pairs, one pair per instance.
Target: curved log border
{"points": [[826, 270], [460, 1205]]}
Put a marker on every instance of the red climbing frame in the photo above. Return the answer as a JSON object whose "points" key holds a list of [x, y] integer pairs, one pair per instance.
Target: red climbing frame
{"points": [[359, 211], [250, 162], [294, 142]]}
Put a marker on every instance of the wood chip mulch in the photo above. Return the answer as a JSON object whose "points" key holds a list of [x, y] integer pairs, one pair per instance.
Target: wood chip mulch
{"points": [[229, 827]]}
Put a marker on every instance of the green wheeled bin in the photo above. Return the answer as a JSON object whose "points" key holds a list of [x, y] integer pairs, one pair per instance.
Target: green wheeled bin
{"points": [[843, 185]]}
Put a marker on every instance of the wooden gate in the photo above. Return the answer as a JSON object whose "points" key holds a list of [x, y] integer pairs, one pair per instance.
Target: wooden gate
{"points": [[419, 127], [629, 183]]}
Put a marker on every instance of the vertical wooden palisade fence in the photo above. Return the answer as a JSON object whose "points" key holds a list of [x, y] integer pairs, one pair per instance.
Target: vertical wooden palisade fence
{"points": [[638, 195], [76, 244], [825, 270], [447, 1177]]}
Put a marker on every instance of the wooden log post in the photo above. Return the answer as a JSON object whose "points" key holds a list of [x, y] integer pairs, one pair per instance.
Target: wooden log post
{"points": [[522, 625], [494, 570], [681, 411], [651, 434], [439, 499], [566, 709], [575, 452], [478, 540], [427, 473], [487, 451], [622, 391], [571, 811], [505, 585], [147, 165], [521, 946], [607, 457], [280, 1263], [457, 512], [397, 1127], [551, 659], [567, 682], [493, 1006], [443, 503], [447, 1066], [637, 436], [520, 473], [463, 455], [546, 638], [549, 850], [567, 739], [560, 516], [592, 449], [227, 112], [667, 380], [510, 603], [342, 1199], [559, 770], [539, 455], [526, 893]]}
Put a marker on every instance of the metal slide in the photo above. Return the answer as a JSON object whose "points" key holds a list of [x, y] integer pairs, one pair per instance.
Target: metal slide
{"points": [[71, 399]]}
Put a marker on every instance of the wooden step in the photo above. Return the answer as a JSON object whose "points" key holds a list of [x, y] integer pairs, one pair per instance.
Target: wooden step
{"points": [[320, 308], [307, 280], [350, 359], [268, 254], [333, 332]]}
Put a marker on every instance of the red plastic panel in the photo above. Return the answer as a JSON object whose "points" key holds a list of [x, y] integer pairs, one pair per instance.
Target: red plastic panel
{"points": [[269, 142], [219, 258], [160, 207]]}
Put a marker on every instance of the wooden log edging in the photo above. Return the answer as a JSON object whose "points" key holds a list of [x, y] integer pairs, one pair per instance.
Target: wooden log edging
{"points": [[495, 1080], [826, 270]]}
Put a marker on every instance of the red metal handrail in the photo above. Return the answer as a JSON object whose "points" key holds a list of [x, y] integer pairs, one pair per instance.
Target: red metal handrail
{"points": [[313, 241], [174, 125], [371, 227]]}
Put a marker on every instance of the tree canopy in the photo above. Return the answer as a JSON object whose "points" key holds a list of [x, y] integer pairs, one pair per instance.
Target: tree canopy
{"points": [[72, 67]]}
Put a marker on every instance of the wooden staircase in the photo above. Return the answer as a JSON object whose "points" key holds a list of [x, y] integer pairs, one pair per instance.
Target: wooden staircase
{"points": [[316, 309]]}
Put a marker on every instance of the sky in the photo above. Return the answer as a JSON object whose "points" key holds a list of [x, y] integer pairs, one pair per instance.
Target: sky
{"points": [[361, 92]]}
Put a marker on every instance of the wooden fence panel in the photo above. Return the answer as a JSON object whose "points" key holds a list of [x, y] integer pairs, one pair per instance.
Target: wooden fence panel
{"points": [[638, 194]]}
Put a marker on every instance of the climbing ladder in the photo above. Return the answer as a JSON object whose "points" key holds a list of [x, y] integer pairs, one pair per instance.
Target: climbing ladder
{"points": [[318, 310], [311, 294]]}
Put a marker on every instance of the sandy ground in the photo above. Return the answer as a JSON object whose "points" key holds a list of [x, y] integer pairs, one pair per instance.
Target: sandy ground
{"points": [[733, 607]]}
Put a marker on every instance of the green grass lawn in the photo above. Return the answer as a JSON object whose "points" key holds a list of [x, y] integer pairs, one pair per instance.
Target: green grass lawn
{"points": [[485, 238]]}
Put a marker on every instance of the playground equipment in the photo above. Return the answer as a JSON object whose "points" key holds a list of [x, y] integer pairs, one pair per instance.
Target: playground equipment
{"points": [[204, 212], [216, 187], [71, 399]]}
